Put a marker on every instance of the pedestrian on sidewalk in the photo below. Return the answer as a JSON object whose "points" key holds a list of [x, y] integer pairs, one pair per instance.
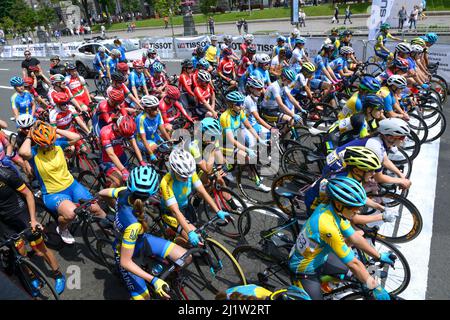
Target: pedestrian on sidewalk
{"points": [[348, 14], [103, 30], [413, 17], [166, 22], [401, 17], [336, 15], [302, 18], [211, 25], [245, 25], [239, 25]]}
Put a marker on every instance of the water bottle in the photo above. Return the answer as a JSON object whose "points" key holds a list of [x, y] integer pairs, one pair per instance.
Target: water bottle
{"points": [[157, 269]]}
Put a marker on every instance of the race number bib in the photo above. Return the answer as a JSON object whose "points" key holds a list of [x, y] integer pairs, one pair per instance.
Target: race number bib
{"points": [[304, 243]]}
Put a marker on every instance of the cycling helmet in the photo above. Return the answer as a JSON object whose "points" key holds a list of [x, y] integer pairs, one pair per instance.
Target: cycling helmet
{"points": [[288, 74], [255, 82], [44, 134], [227, 38], [143, 181], [393, 127], [370, 84], [385, 26], [203, 63], [56, 57], [328, 47], [211, 125], [138, 64], [288, 54], [419, 41], [115, 52], [126, 126], [300, 40], [227, 52], [71, 66], [397, 81], [281, 38], [249, 37], [182, 163], [334, 30], [401, 64], [235, 97], [432, 37], [346, 33], [415, 48], [123, 67], [187, 63], [173, 92], [403, 47], [25, 120], [56, 78], [346, 50], [28, 81], [362, 158], [263, 58], [204, 76], [151, 51], [308, 67], [116, 95], [213, 38], [251, 49], [158, 67], [149, 101], [60, 98], [373, 100], [347, 191], [117, 76], [101, 49]]}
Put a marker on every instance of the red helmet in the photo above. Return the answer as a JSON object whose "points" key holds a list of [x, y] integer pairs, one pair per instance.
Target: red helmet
{"points": [[138, 64], [126, 126], [173, 92], [122, 67], [61, 98], [28, 81], [116, 95], [227, 52]]}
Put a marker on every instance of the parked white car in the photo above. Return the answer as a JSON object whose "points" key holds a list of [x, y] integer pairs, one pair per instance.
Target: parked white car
{"points": [[86, 52]]}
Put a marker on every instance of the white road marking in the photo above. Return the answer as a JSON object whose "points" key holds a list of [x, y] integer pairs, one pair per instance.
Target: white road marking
{"points": [[4, 69], [6, 87]]}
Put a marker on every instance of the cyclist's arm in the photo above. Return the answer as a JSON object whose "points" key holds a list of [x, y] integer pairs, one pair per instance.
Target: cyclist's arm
{"points": [[283, 107], [293, 101], [135, 93], [236, 143], [388, 164], [82, 124], [14, 108], [75, 103], [183, 111], [186, 87], [136, 149], [72, 137], [251, 129], [331, 73], [357, 240], [133, 98], [31, 205], [164, 132], [175, 209], [25, 148], [150, 149], [33, 108], [45, 79], [24, 72], [114, 159], [205, 195], [261, 120]]}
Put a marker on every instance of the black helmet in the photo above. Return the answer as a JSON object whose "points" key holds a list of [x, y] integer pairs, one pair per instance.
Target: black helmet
{"points": [[187, 63], [71, 66], [117, 76]]}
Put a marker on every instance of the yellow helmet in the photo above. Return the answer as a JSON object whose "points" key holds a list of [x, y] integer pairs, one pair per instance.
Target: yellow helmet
{"points": [[419, 41], [309, 67], [362, 158]]}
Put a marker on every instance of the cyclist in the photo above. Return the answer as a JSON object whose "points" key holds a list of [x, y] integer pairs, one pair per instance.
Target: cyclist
{"points": [[354, 105], [158, 82], [212, 52], [56, 67], [60, 191], [395, 84], [24, 123], [246, 61], [136, 80], [205, 96], [78, 87], [185, 83], [398, 66], [340, 65], [298, 54], [170, 107], [430, 39], [228, 43], [148, 122], [254, 292], [322, 246], [134, 239], [59, 85], [201, 65], [324, 76], [99, 62], [261, 70], [417, 53], [176, 186], [379, 47], [149, 61], [226, 70], [281, 44], [107, 109], [277, 64], [301, 87], [295, 34], [22, 101], [197, 54], [248, 41], [118, 81], [403, 50], [17, 213], [111, 62], [118, 45]]}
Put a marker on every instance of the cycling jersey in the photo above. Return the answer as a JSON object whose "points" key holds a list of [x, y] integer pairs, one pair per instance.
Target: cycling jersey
{"points": [[411, 64], [194, 60], [109, 138], [4, 143], [352, 106], [170, 110], [203, 94], [297, 55], [175, 191], [299, 84], [320, 62], [251, 290], [272, 92], [22, 102], [148, 64], [76, 86], [122, 53], [136, 80], [388, 98], [149, 127], [62, 119], [50, 167], [338, 65], [158, 81], [243, 65], [250, 105], [11, 203], [382, 77], [277, 49], [211, 53], [230, 122], [122, 87], [226, 67], [112, 64], [262, 74], [52, 92], [322, 233], [98, 59], [381, 39], [185, 83]]}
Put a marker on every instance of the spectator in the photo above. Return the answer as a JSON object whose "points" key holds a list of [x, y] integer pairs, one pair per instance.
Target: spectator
{"points": [[166, 22], [103, 30], [129, 27], [245, 25], [401, 17], [413, 17], [133, 26], [29, 62], [239, 26], [348, 14], [211, 25], [302, 18], [336, 15], [421, 7]]}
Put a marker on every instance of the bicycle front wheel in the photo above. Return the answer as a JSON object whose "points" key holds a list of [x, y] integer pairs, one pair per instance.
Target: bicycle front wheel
{"points": [[29, 272]]}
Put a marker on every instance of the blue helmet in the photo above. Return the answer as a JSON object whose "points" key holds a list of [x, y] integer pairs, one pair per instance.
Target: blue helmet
{"points": [[300, 40], [158, 67], [16, 82], [347, 191], [288, 74], [373, 100], [235, 97], [211, 125], [370, 84], [143, 181], [431, 37], [281, 38], [203, 63]]}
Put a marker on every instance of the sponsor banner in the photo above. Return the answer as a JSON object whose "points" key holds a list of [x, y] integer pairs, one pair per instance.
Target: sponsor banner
{"points": [[185, 46], [5, 51], [69, 48], [37, 50], [18, 50], [164, 46], [53, 49]]}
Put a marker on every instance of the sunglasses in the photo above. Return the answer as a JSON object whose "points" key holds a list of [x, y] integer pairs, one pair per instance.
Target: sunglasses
{"points": [[151, 108]]}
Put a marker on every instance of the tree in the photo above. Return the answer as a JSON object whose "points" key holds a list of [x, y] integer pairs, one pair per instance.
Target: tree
{"points": [[23, 16], [205, 6], [165, 7], [45, 16], [130, 5], [5, 8]]}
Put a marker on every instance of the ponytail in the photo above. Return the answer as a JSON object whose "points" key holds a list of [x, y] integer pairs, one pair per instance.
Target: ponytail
{"points": [[138, 207]]}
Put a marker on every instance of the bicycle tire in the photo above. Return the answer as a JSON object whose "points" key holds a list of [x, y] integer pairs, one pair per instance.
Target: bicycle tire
{"points": [[88, 231], [420, 128], [248, 187], [411, 145], [106, 258], [441, 80], [214, 282], [91, 181], [25, 265], [436, 133], [402, 161], [440, 89], [295, 160]]}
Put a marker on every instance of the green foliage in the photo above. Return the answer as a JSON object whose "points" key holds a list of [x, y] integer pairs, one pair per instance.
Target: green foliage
{"points": [[45, 16], [165, 7], [205, 6], [130, 5], [5, 8]]}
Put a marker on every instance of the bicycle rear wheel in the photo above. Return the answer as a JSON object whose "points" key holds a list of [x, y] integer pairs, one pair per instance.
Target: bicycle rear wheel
{"points": [[92, 232], [248, 186], [28, 272], [105, 252], [295, 159]]}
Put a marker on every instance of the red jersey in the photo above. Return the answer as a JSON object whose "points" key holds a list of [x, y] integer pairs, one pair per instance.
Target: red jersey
{"points": [[63, 119], [108, 139], [242, 68], [156, 82], [52, 92], [123, 87], [169, 113], [226, 67], [185, 83], [106, 112], [243, 47], [203, 94]]}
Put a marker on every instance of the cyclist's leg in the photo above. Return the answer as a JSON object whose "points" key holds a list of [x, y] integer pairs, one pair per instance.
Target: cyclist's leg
{"points": [[309, 282], [79, 192], [163, 248], [61, 204], [136, 285]]}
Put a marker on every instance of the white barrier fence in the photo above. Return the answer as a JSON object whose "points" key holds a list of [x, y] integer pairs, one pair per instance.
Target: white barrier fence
{"points": [[169, 48]]}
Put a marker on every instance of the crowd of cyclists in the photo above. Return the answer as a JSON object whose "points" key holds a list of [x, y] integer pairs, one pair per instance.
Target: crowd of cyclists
{"points": [[235, 104]]}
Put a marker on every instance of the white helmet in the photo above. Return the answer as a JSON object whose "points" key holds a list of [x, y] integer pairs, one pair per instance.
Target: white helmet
{"points": [[213, 38], [148, 101], [115, 52], [415, 48], [398, 81], [204, 76], [101, 49], [263, 58], [403, 47], [227, 38], [182, 163], [249, 37], [393, 127], [295, 32], [347, 50], [25, 120]]}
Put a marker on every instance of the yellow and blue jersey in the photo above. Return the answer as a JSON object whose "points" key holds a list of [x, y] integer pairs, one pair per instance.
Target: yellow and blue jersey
{"points": [[352, 106], [50, 167], [211, 53], [148, 126], [250, 290], [388, 98], [230, 122], [175, 191], [22, 102], [323, 232]]}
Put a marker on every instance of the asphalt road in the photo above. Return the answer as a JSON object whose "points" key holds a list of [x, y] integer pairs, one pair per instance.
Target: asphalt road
{"points": [[90, 280]]}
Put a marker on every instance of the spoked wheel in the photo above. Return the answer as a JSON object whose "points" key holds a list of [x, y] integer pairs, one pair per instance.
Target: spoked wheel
{"points": [[30, 272], [402, 161], [419, 126], [296, 159], [256, 190]]}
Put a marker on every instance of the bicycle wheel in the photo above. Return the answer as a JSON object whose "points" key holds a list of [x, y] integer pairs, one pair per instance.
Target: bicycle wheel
{"points": [[441, 89], [408, 224], [105, 252], [373, 69], [419, 126], [27, 272], [402, 161], [438, 128], [218, 268], [411, 145], [93, 231], [262, 268], [295, 159], [287, 190], [188, 286], [259, 223], [249, 188], [234, 205], [441, 81], [91, 181]]}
